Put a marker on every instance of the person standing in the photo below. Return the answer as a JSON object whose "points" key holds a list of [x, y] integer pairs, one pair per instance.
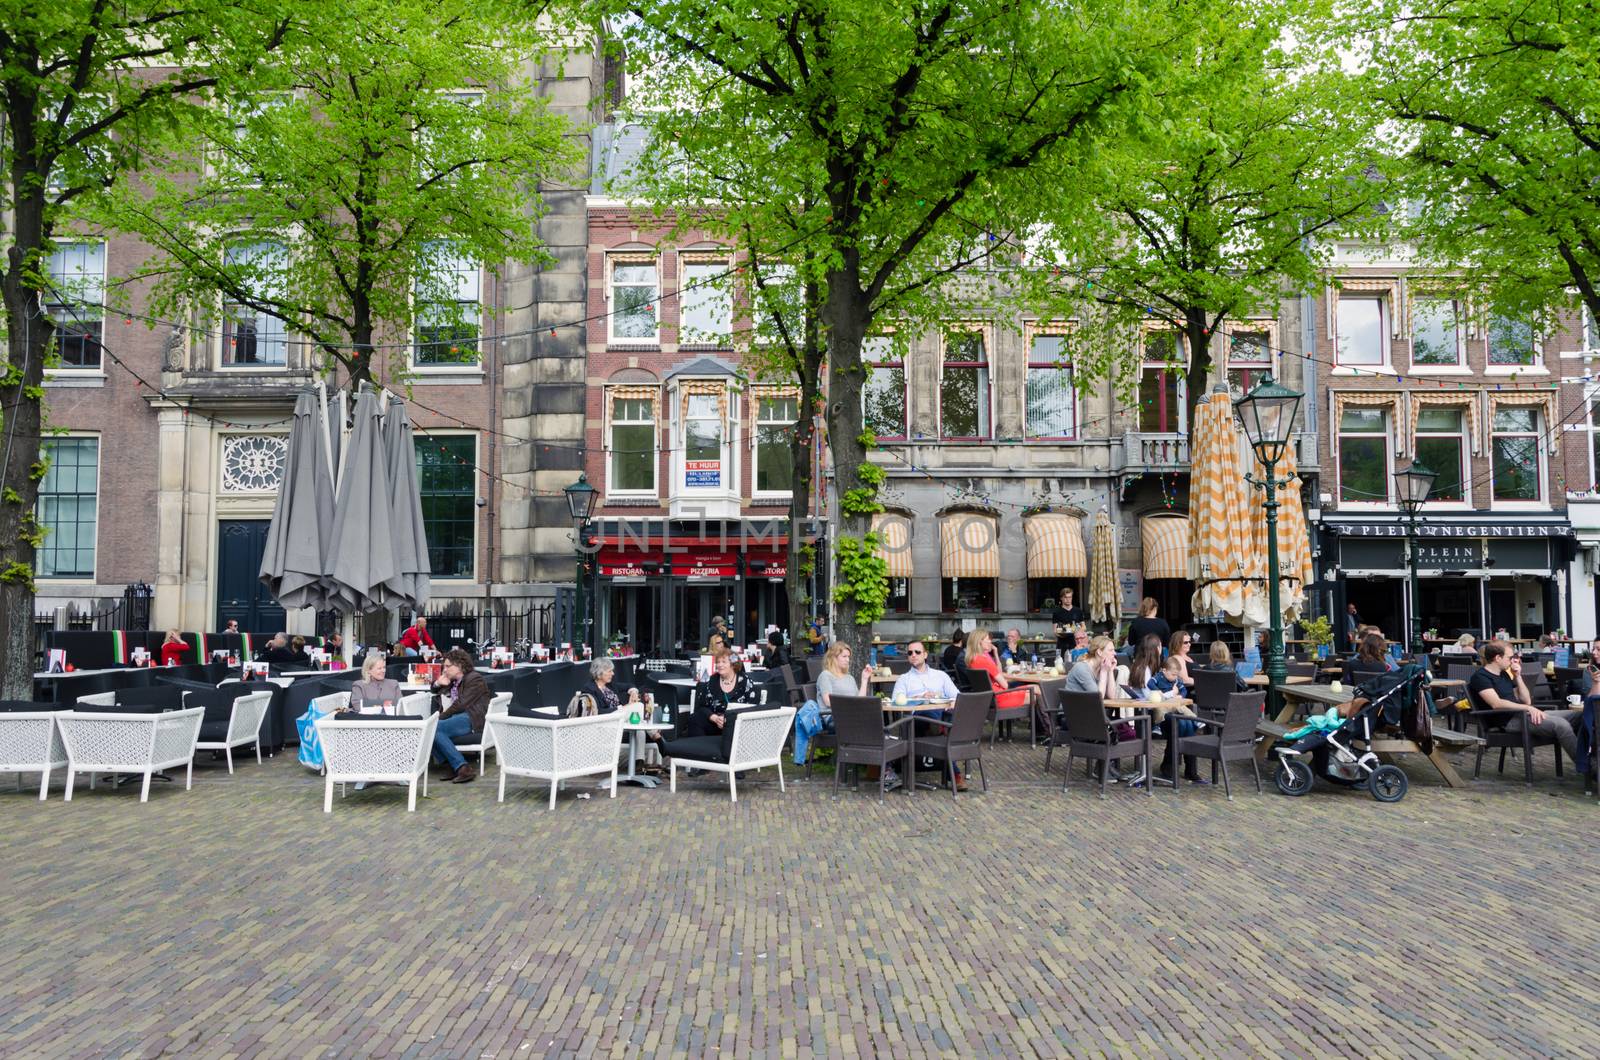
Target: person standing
{"points": [[1147, 623], [1066, 617], [1352, 626]]}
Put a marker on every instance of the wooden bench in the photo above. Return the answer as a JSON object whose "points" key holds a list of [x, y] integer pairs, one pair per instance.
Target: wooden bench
{"points": [[1387, 746]]}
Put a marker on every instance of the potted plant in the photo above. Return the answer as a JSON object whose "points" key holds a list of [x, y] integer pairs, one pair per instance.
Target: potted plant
{"points": [[1319, 632]]}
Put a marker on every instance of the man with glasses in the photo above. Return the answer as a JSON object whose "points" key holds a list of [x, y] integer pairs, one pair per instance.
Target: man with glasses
{"points": [[922, 681]]}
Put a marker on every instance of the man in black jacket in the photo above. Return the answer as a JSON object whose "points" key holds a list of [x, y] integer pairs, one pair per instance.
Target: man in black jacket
{"points": [[462, 697]]}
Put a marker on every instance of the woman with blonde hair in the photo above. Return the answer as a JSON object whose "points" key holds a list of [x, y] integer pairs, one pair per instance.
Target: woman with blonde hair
{"points": [[1096, 671], [980, 656], [835, 677]]}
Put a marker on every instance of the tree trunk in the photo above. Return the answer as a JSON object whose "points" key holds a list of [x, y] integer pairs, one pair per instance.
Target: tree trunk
{"points": [[847, 315], [22, 416], [1197, 332], [805, 471]]}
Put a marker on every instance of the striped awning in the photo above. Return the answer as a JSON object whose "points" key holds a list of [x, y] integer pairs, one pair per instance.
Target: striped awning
{"points": [[1166, 546], [969, 545], [895, 529], [1055, 546]]}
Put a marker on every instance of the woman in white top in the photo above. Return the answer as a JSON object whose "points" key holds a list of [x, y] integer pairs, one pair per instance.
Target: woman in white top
{"points": [[1096, 671], [835, 677], [374, 689]]}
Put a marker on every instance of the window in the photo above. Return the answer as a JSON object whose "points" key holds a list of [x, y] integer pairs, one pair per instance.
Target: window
{"points": [[1052, 402], [448, 135], [705, 307], [68, 507], [702, 441], [1364, 456], [1436, 332], [1442, 448], [883, 394], [633, 445], [1592, 400], [776, 306], [449, 308], [964, 388], [1515, 454], [1249, 360], [775, 420], [1161, 384], [1511, 341], [447, 483], [251, 338], [238, 153], [967, 594], [1361, 332], [634, 296], [899, 599], [75, 302]]}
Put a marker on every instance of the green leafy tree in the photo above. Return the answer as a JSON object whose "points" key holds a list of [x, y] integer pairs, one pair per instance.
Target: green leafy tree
{"points": [[392, 146], [89, 90], [1495, 104], [874, 142], [1254, 152]]}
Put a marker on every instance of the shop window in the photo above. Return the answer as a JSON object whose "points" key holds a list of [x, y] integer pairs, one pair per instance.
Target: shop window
{"points": [[449, 309], [1363, 338], [1436, 332], [774, 458], [899, 600], [964, 386], [1364, 456], [1512, 342], [633, 446], [68, 510], [1052, 400], [883, 394], [635, 296], [968, 594], [1442, 448], [1514, 455], [251, 338], [75, 302], [447, 485]]}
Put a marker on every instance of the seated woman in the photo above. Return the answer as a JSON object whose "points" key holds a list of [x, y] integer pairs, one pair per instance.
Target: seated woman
{"points": [[1370, 659], [374, 691], [774, 654], [298, 647], [1178, 648], [951, 657], [1096, 671], [835, 678], [1145, 665], [980, 656], [1466, 644], [726, 685], [607, 699], [1221, 659], [172, 649]]}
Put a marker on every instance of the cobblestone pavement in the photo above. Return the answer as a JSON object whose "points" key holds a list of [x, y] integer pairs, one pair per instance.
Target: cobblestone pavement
{"points": [[239, 920]]}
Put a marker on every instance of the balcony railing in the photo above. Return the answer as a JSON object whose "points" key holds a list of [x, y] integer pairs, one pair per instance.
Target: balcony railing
{"points": [[1144, 451]]}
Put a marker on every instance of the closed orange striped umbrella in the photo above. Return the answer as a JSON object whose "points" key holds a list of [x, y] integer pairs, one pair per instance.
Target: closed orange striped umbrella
{"points": [[1103, 597], [1294, 540], [1219, 538]]}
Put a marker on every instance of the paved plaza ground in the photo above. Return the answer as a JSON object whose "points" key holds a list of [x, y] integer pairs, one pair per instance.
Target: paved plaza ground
{"points": [[239, 920]]}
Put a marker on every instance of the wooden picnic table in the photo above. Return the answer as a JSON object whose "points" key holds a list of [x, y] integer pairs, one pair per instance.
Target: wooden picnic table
{"points": [[1263, 681], [1385, 746]]}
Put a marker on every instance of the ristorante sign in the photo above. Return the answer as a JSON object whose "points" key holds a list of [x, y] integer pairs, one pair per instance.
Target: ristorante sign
{"points": [[1432, 529]]}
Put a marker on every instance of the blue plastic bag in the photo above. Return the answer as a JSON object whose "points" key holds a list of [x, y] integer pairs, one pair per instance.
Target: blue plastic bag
{"points": [[310, 745]]}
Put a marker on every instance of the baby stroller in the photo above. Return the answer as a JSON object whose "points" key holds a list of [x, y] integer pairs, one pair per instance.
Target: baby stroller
{"points": [[1340, 746]]}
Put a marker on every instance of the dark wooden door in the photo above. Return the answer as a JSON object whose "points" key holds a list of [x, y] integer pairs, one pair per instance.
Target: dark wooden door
{"points": [[240, 594]]}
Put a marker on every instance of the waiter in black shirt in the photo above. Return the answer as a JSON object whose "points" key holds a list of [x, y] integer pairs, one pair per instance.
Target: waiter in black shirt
{"points": [[1065, 616]]}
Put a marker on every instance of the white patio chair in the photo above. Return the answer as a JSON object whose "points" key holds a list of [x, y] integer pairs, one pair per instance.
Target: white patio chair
{"points": [[129, 743], [758, 738], [332, 703], [499, 703], [99, 699], [554, 750], [416, 704], [31, 743], [393, 750], [244, 727]]}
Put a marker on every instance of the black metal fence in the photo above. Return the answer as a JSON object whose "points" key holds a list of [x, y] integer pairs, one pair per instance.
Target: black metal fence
{"points": [[454, 622], [130, 612]]}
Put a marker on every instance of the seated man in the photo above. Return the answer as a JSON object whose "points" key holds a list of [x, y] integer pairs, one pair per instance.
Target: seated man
{"points": [[1012, 650], [461, 696], [922, 681], [1498, 685], [278, 652], [415, 637]]}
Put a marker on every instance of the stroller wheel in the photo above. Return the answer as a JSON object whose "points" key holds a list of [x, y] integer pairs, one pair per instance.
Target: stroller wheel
{"points": [[1293, 776], [1388, 784]]}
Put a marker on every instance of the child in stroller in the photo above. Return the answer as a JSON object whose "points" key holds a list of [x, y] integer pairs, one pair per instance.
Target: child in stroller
{"points": [[1339, 741]]}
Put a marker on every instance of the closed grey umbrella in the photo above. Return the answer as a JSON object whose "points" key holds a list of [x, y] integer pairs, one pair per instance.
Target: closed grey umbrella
{"points": [[412, 569], [360, 560], [302, 517]]}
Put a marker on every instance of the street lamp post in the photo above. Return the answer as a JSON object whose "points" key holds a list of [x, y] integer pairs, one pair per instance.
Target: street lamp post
{"points": [[1267, 414], [581, 499], [1413, 486]]}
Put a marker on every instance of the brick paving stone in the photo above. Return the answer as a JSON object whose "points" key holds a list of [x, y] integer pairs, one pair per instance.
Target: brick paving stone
{"points": [[238, 920]]}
